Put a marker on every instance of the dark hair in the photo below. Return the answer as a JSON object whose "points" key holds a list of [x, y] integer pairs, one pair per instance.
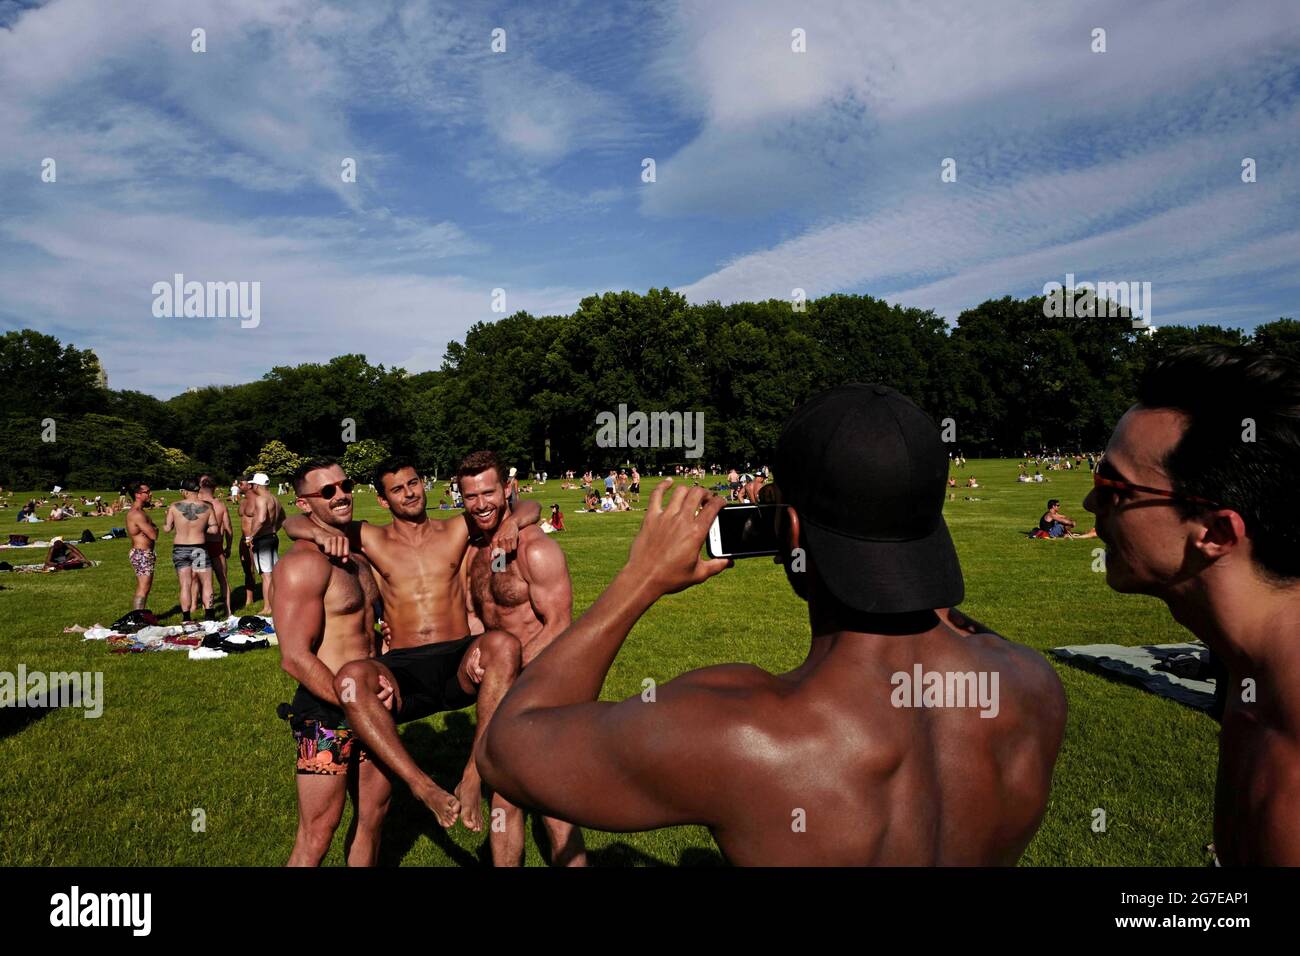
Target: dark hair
{"points": [[133, 487], [1052, 502], [205, 481], [189, 484], [307, 467], [1242, 443], [479, 461], [389, 466]]}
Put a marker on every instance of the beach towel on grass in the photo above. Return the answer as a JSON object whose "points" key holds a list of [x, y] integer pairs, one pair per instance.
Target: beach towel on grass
{"points": [[1137, 666]]}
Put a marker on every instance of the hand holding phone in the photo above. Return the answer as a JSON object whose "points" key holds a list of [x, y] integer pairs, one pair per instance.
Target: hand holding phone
{"points": [[746, 531]]}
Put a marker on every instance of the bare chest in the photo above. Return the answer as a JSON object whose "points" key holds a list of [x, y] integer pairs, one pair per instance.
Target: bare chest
{"points": [[496, 581]]}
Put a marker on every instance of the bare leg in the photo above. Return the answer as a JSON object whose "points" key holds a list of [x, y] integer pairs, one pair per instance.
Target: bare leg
{"points": [[143, 582], [500, 658], [205, 588], [268, 594], [246, 561], [371, 792], [357, 684], [186, 577], [222, 577], [320, 807], [506, 832], [567, 848]]}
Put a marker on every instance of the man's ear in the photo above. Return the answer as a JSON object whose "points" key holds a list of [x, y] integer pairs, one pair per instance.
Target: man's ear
{"points": [[1223, 532], [383, 502]]}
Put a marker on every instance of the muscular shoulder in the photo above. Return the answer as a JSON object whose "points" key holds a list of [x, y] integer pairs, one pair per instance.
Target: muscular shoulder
{"points": [[303, 566], [537, 547]]}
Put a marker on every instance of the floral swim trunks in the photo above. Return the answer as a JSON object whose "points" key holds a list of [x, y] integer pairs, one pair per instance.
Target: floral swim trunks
{"points": [[142, 562], [326, 744]]}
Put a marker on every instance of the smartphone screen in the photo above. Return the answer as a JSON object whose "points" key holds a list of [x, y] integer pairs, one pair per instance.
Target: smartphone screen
{"points": [[744, 531]]}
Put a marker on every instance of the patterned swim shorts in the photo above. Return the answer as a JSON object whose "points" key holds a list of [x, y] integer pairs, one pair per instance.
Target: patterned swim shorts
{"points": [[142, 561], [326, 744], [326, 750]]}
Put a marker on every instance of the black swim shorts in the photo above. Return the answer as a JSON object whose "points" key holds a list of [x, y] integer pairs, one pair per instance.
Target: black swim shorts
{"points": [[427, 678]]}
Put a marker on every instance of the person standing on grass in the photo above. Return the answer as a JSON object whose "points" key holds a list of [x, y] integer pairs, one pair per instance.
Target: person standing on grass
{"points": [[433, 663], [263, 535], [143, 533], [1190, 498], [247, 511], [848, 759], [327, 620], [218, 544], [192, 521], [531, 597]]}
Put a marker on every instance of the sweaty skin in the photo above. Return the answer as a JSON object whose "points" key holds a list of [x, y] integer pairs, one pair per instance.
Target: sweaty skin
{"points": [[417, 564], [326, 620], [528, 594], [1201, 568], [815, 766]]}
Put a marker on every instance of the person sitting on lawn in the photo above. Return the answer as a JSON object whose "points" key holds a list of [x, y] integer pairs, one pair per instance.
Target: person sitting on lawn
{"points": [[63, 556], [1053, 522], [557, 518]]}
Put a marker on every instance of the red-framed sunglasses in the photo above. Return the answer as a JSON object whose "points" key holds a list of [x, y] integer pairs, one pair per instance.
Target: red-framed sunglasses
{"points": [[327, 491], [1099, 481]]}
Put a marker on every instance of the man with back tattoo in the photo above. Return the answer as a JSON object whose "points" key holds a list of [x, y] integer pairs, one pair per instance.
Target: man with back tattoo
{"points": [[192, 520]]}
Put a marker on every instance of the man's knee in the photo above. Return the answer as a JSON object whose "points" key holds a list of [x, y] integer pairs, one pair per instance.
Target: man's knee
{"points": [[354, 680], [501, 649]]}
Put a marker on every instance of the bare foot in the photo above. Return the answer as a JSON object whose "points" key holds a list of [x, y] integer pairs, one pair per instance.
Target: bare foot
{"points": [[470, 794], [443, 804]]}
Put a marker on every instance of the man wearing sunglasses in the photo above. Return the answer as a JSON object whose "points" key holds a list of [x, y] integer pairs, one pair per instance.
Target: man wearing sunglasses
{"points": [[1190, 501], [325, 618], [433, 663]]}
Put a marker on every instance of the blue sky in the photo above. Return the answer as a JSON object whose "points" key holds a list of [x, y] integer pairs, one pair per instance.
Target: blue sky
{"points": [[522, 170]]}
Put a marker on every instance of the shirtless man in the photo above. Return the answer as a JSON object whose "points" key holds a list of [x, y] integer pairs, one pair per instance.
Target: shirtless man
{"points": [[143, 534], [246, 516], [530, 596], [266, 515], [427, 670], [192, 520], [1192, 511], [843, 760], [327, 618], [218, 543]]}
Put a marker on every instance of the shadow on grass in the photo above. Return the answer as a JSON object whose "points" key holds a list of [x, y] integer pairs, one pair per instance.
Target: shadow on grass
{"points": [[442, 756], [14, 720]]}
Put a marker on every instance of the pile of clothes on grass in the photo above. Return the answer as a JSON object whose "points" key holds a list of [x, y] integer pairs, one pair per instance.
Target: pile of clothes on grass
{"points": [[139, 632]]}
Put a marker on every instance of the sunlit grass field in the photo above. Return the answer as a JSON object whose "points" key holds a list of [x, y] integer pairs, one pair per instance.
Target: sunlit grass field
{"points": [[179, 735]]}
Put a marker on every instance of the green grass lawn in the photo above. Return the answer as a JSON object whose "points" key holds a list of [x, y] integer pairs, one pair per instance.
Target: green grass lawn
{"points": [[178, 735]]}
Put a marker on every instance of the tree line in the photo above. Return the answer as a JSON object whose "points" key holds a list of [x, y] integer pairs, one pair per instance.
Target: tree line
{"points": [[1011, 378]]}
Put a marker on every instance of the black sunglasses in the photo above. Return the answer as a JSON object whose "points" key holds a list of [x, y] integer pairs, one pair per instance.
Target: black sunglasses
{"points": [[327, 491]]}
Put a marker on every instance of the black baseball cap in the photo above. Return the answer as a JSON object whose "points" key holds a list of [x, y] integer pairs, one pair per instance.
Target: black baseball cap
{"points": [[866, 471]]}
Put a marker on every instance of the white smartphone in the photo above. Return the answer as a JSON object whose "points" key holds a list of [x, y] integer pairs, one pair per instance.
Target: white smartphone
{"points": [[745, 531]]}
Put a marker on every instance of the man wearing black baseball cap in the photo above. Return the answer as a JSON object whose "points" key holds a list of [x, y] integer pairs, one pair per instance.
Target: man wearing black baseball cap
{"points": [[909, 736]]}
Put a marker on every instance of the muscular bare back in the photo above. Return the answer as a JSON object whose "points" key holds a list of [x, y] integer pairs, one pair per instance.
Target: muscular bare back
{"points": [[821, 767]]}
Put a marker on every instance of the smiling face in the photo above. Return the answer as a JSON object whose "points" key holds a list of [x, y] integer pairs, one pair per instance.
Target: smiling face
{"points": [[403, 494], [1147, 539], [334, 510], [485, 499]]}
